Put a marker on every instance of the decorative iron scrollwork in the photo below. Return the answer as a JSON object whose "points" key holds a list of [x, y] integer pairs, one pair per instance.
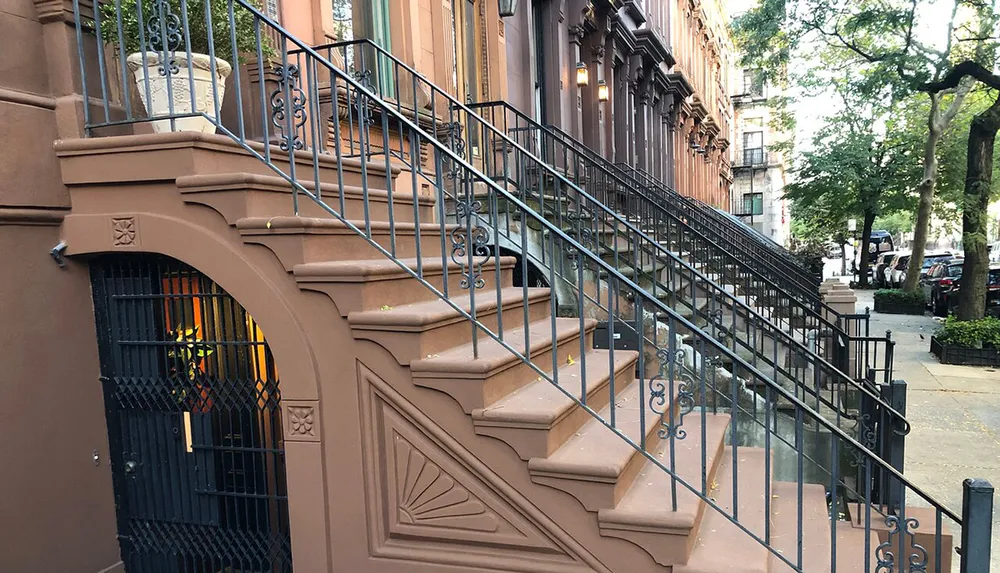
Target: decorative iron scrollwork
{"points": [[470, 237], [453, 137], [671, 410], [287, 99], [867, 437], [164, 35], [885, 558]]}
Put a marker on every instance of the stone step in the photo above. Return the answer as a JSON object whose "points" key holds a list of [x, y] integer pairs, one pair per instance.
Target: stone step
{"points": [[646, 515], [721, 546], [417, 330], [477, 382], [597, 466], [299, 240], [538, 418], [241, 195], [371, 284]]}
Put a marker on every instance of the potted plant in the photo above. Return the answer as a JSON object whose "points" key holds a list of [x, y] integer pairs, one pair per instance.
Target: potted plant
{"points": [[165, 32], [896, 301], [974, 342]]}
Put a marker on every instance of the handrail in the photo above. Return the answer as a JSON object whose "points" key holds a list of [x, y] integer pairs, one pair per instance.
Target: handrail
{"points": [[668, 193], [295, 111], [816, 358]]}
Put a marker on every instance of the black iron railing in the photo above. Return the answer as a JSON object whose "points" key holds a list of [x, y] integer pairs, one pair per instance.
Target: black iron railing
{"points": [[695, 377], [803, 348]]}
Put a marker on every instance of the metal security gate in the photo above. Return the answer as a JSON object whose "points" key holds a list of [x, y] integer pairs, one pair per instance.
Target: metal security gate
{"points": [[192, 400]]}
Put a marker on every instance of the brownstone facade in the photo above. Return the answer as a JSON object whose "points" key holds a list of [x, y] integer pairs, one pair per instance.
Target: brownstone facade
{"points": [[667, 68]]}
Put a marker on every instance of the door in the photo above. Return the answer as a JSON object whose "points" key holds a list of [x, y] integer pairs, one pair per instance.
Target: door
{"points": [[194, 422], [468, 73]]}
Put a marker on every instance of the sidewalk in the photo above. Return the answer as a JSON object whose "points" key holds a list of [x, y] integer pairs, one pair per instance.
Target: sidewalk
{"points": [[954, 412]]}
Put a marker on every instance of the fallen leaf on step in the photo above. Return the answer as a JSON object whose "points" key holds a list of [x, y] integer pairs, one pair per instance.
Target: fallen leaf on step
{"points": [[268, 224], [569, 359], [385, 307]]}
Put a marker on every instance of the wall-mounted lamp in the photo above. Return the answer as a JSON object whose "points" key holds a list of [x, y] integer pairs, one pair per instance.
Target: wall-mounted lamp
{"points": [[582, 74], [507, 8], [602, 91]]}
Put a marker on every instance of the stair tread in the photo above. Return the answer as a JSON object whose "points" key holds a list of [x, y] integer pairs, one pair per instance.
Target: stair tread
{"points": [[595, 450], [721, 545], [330, 190], [319, 225], [785, 529], [541, 402], [493, 355], [648, 502], [375, 269], [433, 311]]}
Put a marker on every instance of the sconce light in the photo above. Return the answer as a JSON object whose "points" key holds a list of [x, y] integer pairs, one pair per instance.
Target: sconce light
{"points": [[602, 91], [582, 74], [507, 8]]}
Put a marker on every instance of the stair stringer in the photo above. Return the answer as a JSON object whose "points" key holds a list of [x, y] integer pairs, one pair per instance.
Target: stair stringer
{"points": [[559, 516]]}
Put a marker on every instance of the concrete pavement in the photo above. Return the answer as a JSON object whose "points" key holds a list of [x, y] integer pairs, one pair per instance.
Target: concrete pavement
{"points": [[954, 412]]}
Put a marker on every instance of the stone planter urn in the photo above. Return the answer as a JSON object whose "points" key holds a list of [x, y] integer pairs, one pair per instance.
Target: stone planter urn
{"points": [[161, 102]]}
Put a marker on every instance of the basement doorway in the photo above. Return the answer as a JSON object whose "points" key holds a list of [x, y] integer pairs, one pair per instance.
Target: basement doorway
{"points": [[194, 422]]}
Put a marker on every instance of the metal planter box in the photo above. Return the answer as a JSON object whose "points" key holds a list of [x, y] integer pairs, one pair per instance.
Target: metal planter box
{"points": [[897, 308], [948, 354]]}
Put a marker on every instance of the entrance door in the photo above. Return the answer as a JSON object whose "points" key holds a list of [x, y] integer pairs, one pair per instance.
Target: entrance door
{"points": [[468, 71], [194, 424]]}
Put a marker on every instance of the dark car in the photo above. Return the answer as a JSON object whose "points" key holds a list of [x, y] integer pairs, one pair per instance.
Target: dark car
{"points": [[992, 292], [938, 283], [931, 259], [884, 260]]}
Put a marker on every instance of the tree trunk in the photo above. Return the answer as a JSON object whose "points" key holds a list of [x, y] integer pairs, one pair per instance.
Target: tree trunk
{"points": [[864, 261], [926, 190], [978, 178]]}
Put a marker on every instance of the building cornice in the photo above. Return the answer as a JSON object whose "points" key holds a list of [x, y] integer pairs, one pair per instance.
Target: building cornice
{"points": [[634, 11], [678, 84], [32, 216], [654, 46], [62, 10]]}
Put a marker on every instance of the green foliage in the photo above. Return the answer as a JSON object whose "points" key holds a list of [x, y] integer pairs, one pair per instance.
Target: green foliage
{"points": [[897, 296], [981, 333], [853, 169], [129, 37], [895, 223]]}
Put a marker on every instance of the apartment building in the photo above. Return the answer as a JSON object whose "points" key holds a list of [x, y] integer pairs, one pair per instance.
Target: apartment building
{"points": [[759, 170]]}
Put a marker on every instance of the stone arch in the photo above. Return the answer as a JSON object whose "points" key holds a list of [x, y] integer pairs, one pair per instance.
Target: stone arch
{"points": [[221, 261]]}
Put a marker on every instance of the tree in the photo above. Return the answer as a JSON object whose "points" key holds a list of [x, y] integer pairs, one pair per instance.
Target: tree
{"points": [[878, 36], [862, 163], [978, 188]]}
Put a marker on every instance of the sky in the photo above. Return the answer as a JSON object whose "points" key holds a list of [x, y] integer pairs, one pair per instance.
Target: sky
{"points": [[810, 111]]}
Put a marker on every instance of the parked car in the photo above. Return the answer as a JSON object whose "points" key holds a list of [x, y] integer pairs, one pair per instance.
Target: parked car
{"points": [[878, 273], [895, 274], [938, 284], [992, 292], [900, 266], [930, 259]]}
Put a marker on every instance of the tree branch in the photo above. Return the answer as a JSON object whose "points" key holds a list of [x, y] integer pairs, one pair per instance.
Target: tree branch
{"points": [[958, 73]]}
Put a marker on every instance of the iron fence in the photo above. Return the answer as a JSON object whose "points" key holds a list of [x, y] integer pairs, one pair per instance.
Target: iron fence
{"points": [[687, 377]]}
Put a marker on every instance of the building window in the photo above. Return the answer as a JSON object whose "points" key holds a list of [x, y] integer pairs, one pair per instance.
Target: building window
{"points": [[753, 148], [753, 83], [753, 204], [366, 20]]}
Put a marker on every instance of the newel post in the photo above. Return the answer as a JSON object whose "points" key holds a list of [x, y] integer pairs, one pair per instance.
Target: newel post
{"points": [[977, 525]]}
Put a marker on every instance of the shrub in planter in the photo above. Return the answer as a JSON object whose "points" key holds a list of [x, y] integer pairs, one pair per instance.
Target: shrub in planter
{"points": [[897, 301], [982, 333], [172, 27], [968, 342]]}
